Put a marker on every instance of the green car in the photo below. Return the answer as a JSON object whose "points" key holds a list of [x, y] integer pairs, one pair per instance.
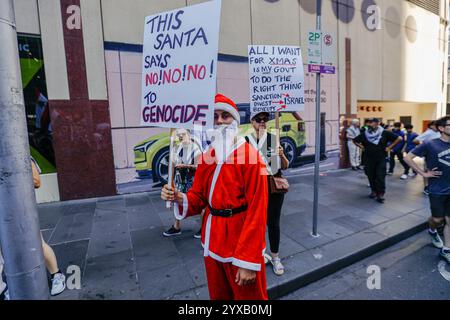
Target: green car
{"points": [[151, 156]]}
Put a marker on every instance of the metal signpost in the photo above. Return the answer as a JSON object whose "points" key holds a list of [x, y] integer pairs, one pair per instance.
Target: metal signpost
{"points": [[317, 158], [20, 239]]}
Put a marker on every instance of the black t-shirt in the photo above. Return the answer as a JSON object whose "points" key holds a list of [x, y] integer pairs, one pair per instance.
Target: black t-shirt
{"points": [[376, 151]]}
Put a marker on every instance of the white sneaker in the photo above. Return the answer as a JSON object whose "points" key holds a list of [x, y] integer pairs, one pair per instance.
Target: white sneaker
{"points": [[278, 267], [267, 258], [436, 239], [404, 177], [58, 284], [445, 254], [412, 174]]}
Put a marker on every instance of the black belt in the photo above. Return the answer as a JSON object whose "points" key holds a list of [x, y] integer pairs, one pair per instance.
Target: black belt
{"points": [[226, 213]]}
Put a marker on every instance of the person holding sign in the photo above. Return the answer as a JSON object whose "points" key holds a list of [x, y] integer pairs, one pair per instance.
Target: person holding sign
{"points": [[186, 155], [275, 161], [230, 184]]}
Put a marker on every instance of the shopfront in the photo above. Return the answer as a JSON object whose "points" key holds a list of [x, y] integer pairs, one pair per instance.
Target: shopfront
{"points": [[40, 131], [417, 114]]}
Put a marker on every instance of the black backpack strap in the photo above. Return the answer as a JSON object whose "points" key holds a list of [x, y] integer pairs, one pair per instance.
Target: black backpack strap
{"points": [[269, 141]]}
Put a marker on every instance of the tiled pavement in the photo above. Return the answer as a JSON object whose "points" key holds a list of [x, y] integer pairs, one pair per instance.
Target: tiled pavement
{"points": [[118, 242]]}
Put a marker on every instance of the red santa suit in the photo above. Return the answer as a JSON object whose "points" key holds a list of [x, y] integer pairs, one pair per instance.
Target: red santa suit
{"points": [[236, 241]]}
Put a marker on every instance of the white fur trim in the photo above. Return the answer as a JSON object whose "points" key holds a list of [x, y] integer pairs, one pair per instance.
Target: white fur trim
{"points": [[207, 236], [246, 265], [235, 262], [230, 109], [176, 210]]}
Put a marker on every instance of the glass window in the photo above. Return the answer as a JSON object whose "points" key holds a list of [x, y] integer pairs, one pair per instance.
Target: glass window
{"points": [[36, 102]]}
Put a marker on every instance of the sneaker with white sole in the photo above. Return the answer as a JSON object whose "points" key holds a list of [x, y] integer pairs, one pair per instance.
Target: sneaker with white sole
{"points": [[404, 177], [58, 284], [412, 174], [445, 254], [278, 267], [267, 258], [436, 239], [172, 232], [198, 235]]}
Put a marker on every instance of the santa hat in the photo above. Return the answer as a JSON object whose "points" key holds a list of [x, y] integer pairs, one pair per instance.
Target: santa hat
{"points": [[226, 104]]}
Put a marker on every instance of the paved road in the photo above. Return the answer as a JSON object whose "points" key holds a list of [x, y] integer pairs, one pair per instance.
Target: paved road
{"points": [[409, 270]]}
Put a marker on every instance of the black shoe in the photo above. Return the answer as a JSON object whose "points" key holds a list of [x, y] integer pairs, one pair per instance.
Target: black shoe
{"points": [[172, 232], [373, 195], [198, 235], [380, 198], [354, 168]]}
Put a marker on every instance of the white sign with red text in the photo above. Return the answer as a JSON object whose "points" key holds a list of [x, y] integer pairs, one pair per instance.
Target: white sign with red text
{"points": [[276, 79], [180, 66]]}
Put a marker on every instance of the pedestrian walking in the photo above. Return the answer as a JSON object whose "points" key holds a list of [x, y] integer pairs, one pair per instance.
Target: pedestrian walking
{"points": [[233, 190], [186, 156], [437, 156], [58, 279], [275, 161], [354, 152], [397, 151], [374, 142], [430, 134], [410, 145]]}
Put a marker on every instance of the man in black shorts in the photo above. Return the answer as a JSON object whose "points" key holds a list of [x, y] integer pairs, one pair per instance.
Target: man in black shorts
{"points": [[437, 157], [374, 143]]}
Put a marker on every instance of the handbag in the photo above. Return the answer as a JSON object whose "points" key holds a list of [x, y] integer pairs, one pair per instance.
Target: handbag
{"points": [[278, 184]]}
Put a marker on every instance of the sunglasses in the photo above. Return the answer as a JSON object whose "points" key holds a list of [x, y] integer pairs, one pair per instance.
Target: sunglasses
{"points": [[259, 120]]}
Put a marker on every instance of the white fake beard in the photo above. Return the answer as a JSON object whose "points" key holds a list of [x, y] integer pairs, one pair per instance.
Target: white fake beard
{"points": [[224, 139]]}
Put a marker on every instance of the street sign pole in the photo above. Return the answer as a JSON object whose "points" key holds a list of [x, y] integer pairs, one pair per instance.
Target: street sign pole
{"points": [[317, 158], [20, 238]]}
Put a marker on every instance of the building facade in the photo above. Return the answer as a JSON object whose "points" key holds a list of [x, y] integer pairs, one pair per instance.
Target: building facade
{"points": [[81, 70]]}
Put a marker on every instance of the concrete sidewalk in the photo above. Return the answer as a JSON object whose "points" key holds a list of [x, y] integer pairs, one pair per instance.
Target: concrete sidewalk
{"points": [[119, 246]]}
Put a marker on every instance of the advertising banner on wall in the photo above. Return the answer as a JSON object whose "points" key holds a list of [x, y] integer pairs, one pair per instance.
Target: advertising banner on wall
{"points": [[276, 79], [37, 109], [180, 66]]}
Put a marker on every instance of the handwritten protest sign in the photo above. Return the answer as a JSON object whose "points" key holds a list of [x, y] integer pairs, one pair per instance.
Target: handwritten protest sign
{"points": [[179, 67], [276, 79]]}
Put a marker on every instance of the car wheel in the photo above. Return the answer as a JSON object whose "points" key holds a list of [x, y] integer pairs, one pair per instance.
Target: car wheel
{"points": [[160, 166], [290, 149]]}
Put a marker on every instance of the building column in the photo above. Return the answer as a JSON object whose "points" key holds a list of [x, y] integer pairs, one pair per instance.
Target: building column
{"points": [[77, 97]]}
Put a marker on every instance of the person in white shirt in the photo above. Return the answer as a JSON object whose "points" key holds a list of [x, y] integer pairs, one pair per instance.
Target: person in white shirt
{"points": [[185, 156], [431, 134], [354, 152]]}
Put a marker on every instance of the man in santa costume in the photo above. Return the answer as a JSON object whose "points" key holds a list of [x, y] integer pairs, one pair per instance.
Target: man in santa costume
{"points": [[231, 184]]}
